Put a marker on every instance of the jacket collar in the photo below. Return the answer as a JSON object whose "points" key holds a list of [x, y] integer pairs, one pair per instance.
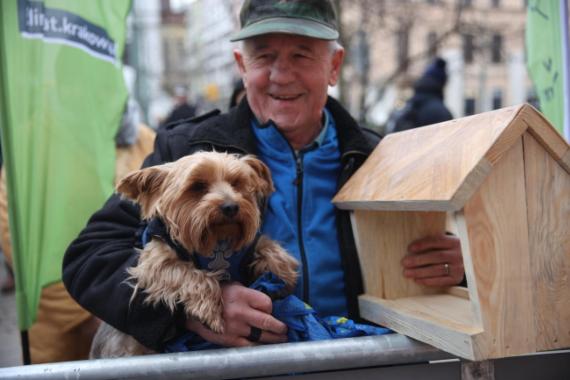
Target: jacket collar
{"points": [[352, 140], [233, 130]]}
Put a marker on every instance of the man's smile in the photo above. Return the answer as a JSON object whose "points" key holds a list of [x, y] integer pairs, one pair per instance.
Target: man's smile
{"points": [[283, 97]]}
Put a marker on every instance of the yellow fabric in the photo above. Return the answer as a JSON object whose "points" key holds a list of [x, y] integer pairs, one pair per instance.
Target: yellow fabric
{"points": [[4, 227], [63, 330], [131, 158]]}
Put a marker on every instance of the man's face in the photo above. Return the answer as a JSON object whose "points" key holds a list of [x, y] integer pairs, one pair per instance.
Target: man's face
{"points": [[286, 79]]}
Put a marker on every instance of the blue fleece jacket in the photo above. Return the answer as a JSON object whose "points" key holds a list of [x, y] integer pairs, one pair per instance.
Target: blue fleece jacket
{"points": [[300, 215]]}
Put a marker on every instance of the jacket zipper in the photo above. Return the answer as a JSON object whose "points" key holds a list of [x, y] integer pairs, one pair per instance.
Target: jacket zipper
{"points": [[299, 183]]}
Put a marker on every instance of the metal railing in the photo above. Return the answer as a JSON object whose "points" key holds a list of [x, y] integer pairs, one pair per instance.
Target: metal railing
{"points": [[232, 363]]}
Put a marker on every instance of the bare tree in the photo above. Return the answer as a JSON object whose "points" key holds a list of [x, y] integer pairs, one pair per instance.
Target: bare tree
{"points": [[369, 24]]}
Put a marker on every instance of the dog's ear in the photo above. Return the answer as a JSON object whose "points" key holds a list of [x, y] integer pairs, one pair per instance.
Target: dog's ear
{"points": [[264, 183], [142, 186]]}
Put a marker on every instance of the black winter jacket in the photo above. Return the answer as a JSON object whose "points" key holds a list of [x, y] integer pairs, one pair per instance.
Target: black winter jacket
{"points": [[95, 264]]}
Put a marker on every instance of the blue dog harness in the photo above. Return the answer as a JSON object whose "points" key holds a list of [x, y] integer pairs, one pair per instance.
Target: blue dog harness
{"points": [[233, 263]]}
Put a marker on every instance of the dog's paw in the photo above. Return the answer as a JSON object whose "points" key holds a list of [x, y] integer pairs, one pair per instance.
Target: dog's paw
{"points": [[271, 257], [210, 314], [288, 273], [287, 270], [202, 299], [217, 325]]}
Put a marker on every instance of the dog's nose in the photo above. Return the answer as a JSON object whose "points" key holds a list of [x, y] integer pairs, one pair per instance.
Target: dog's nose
{"points": [[230, 209]]}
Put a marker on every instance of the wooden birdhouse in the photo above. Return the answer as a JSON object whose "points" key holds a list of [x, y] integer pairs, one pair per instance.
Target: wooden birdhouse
{"points": [[500, 181]]}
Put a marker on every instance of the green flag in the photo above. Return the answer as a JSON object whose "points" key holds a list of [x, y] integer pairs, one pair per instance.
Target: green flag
{"points": [[62, 95], [545, 60]]}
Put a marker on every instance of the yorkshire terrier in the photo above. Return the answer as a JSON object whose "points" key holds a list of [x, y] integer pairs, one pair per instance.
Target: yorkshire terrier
{"points": [[201, 210]]}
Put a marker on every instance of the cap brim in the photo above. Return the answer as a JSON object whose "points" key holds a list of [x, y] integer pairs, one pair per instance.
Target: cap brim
{"points": [[301, 27]]}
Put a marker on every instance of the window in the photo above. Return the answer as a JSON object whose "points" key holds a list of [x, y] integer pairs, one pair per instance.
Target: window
{"points": [[496, 48], [432, 44], [402, 48], [167, 58], [532, 98], [469, 106], [180, 48], [497, 98], [468, 47]]}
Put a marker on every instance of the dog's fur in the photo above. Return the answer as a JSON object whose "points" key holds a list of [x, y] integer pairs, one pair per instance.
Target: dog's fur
{"points": [[202, 199]]}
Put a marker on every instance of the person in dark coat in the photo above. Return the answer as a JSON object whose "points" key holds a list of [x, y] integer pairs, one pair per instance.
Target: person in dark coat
{"points": [[312, 146], [182, 110], [426, 106], [238, 93]]}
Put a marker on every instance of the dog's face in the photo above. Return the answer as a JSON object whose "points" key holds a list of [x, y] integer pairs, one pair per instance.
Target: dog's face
{"points": [[203, 198]]}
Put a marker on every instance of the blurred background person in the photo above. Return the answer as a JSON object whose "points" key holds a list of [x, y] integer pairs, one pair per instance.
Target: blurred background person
{"points": [[134, 141], [182, 108], [8, 284], [426, 106], [238, 93]]}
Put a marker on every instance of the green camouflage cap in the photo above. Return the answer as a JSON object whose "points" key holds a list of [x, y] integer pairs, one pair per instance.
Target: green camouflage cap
{"points": [[311, 18]]}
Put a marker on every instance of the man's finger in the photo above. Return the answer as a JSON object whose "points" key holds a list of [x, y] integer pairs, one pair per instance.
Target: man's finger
{"points": [[437, 270], [435, 242], [229, 340], [266, 322], [269, 337], [226, 339], [428, 258], [244, 330], [258, 300]]}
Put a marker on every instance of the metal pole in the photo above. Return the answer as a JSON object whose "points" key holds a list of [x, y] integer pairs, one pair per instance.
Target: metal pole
{"points": [[25, 341], [233, 363]]}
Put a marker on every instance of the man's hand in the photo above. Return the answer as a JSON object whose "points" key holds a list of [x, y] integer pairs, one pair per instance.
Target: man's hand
{"points": [[244, 308], [434, 261]]}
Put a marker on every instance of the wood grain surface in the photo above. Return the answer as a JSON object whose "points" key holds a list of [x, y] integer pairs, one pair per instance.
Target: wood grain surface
{"points": [[565, 163], [501, 181], [548, 200], [546, 135], [423, 168], [442, 320], [382, 239], [496, 223]]}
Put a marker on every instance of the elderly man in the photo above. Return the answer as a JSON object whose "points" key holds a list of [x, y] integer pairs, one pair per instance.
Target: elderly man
{"points": [[287, 58]]}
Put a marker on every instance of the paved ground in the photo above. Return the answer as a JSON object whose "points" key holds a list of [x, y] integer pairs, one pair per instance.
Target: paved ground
{"points": [[10, 351]]}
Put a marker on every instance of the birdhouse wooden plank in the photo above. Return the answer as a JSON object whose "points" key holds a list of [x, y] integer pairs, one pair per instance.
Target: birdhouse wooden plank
{"points": [[501, 182]]}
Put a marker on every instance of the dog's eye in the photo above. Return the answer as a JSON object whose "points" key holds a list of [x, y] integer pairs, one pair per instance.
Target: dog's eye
{"points": [[198, 187], [236, 183]]}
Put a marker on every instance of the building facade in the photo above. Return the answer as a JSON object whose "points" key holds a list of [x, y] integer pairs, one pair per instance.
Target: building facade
{"points": [[174, 47], [481, 40], [388, 45], [210, 59]]}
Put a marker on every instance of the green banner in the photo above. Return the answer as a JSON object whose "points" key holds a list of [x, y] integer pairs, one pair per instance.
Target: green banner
{"points": [[62, 95], [544, 58]]}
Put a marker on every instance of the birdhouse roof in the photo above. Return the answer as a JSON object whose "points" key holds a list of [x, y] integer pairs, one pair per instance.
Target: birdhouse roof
{"points": [[439, 167]]}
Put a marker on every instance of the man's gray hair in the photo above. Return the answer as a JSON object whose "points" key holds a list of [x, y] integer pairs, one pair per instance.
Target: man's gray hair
{"points": [[334, 46]]}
